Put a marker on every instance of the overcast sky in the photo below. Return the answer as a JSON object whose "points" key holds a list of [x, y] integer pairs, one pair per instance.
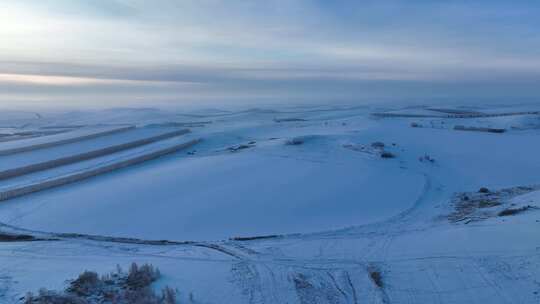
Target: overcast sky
{"points": [[139, 52]]}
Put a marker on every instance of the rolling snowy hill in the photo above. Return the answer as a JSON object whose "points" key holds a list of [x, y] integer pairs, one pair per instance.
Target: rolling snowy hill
{"points": [[287, 204]]}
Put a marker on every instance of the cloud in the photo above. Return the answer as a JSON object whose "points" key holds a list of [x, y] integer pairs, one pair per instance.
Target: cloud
{"points": [[301, 49]]}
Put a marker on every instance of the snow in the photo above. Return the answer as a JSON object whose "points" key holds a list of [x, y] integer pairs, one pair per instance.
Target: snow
{"points": [[340, 210], [37, 156], [86, 165], [184, 196], [57, 138]]}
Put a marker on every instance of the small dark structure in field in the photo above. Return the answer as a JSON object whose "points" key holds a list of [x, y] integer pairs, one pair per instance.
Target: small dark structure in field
{"points": [[386, 154], [483, 190], [376, 276]]}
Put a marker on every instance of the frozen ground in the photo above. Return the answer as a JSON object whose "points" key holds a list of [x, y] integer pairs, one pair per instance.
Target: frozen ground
{"points": [[335, 212]]}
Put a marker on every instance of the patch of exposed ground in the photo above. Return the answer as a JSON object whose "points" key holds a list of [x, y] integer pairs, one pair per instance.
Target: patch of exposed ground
{"points": [[376, 148], [483, 204], [117, 287], [515, 211]]}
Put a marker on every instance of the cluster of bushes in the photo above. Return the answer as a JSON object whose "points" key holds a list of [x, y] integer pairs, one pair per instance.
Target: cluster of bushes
{"points": [[118, 287]]}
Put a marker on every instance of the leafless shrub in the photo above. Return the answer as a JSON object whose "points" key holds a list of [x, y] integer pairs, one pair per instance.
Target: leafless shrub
{"points": [[168, 295], [86, 284], [141, 277], [118, 287]]}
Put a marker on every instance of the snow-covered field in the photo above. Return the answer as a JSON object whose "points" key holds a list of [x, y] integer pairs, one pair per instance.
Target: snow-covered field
{"points": [[283, 204]]}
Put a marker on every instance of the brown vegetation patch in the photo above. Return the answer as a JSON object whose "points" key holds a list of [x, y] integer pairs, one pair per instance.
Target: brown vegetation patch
{"points": [[480, 205], [117, 287]]}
